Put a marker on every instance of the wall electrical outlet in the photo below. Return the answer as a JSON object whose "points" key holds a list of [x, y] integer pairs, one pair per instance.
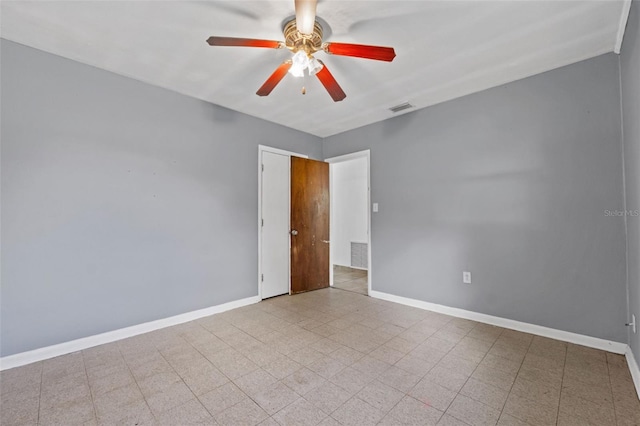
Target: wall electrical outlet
{"points": [[466, 277]]}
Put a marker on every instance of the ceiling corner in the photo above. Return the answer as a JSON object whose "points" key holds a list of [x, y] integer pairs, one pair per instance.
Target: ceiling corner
{"points": [[624, 16]]}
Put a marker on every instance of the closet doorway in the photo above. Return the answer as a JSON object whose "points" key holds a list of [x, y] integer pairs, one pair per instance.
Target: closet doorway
{"points": [[350, 222]]}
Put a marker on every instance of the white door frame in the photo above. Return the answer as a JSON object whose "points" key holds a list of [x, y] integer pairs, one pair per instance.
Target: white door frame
{"points": [[339, 159], [261, 149]]}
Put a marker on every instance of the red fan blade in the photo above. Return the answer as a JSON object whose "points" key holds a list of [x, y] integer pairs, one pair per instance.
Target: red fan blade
{"points": [[378, 53], [274, 79], [330, 83], [243, 42]]}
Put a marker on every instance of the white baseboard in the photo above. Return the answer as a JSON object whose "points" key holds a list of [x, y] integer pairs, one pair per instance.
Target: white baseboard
{"points": [[635, 371], [579, 339], [40, 354]]}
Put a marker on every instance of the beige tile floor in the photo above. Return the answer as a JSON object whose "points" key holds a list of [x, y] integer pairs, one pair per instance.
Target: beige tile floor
{"points": [[327, 357], [350, 279]]}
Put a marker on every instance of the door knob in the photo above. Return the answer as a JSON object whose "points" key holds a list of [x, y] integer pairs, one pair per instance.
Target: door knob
{"points": [[294, 232]]}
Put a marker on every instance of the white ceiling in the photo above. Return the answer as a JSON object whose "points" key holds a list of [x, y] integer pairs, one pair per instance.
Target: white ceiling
{"points": [[445, 49]]}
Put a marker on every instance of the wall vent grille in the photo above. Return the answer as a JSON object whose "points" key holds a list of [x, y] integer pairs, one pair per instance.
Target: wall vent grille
{"points": [[359, 255], [400, 107]]}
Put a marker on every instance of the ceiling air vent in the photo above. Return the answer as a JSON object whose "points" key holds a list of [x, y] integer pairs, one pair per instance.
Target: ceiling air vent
{"points": [[400, 107]]}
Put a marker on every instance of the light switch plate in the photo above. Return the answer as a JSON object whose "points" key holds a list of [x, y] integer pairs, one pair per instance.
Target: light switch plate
{"points": [[375, 207], [466, 277]]}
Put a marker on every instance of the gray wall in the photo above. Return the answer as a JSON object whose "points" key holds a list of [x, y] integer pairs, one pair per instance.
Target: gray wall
{"points": [[630, 70], [511, 184], [124, 203], [121, 202]]}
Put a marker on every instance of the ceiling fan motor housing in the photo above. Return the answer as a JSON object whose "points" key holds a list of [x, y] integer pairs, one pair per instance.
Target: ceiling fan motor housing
{"points": [[295, 41]]}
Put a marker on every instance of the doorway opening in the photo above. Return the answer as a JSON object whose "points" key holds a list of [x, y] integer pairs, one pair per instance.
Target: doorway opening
{"points": [[350, 222]]}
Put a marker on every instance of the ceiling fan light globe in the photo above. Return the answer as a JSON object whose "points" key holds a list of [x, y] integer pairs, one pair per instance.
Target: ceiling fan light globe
{"points": [[314, 66], [300, 59], [296, 70]]}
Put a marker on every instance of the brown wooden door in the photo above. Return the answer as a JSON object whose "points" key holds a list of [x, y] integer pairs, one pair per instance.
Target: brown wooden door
{"points": [[309, 225]]}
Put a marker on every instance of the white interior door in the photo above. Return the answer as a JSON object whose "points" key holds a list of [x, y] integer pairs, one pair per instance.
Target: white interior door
{"points": [[275, 224]]}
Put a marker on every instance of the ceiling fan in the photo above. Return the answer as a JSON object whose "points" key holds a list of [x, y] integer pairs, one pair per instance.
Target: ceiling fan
{"points": [[303, 37]]}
